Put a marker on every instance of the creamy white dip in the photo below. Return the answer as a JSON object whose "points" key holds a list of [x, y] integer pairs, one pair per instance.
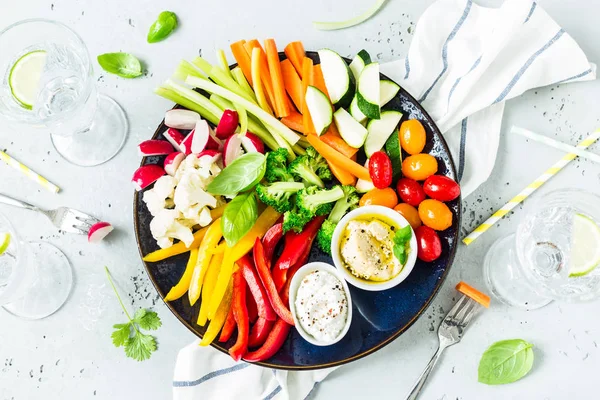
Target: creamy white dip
{"points": [[321, 305]]}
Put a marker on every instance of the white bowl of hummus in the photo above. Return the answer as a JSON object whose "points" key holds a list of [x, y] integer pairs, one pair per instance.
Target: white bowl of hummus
{"points": [[362, 248], [320, 304]]}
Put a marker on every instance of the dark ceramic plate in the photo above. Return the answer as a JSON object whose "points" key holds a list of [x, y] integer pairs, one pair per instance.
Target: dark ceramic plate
{"points": [[378, 317]]}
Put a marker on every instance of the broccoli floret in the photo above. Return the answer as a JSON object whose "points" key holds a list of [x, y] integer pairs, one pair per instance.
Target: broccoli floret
{"points": [[276, 170], [293, 220], [319, 164], [278, 194], [340, 208], [314, 201], [302, 168]]}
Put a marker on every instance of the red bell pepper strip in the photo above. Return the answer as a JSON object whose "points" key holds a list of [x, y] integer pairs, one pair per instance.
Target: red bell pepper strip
{"points": [[265, 276], [296, 243], [228, 327], [265, 310], [259, 332], [240, 312], [270, 240], [279, 277], [274, 341], [285, 292], [252, 308]]}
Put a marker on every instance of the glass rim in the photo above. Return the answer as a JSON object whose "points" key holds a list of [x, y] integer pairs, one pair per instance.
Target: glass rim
{"points": [[14, 235]]}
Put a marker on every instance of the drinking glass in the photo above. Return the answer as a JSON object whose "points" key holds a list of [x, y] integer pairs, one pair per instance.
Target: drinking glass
{"points": [[35, 277], [86, 128], [541, 262]]}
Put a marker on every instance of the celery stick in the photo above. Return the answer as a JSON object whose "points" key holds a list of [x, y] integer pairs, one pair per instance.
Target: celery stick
{"points": [[280, 129], [190, 105], [282, 143], [222, 62], [298, 150], [185, 68], [196, 97], [202, 64], [243, 116], [221, 102], [239, 77], [228, 83], [303, 143]]}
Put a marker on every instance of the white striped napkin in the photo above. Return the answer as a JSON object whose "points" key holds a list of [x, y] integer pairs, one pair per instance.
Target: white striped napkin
{"points": [[464, 62]]}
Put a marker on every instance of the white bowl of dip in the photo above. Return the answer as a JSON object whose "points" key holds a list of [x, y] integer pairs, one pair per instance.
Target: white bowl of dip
{"points": [[325, 317], [364, 261]]}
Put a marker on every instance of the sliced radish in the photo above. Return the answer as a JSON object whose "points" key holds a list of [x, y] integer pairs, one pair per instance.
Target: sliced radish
{"points": [[146, 175], [174, 137], [252, 144], [186, 145], [204, 138], [172, 162], [232, 150], [214, 142], [181, 119], [155, 148], [213, 155], [98, 231], [227, 124]]}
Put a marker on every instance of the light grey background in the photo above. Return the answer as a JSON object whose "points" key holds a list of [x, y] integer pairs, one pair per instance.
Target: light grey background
{"points": [[70, 355]]}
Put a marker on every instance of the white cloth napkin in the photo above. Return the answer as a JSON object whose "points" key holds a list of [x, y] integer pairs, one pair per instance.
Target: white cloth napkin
{"points": [[464, 62]]}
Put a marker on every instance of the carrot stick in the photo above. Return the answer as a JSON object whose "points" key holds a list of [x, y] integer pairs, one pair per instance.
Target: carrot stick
{"points": [[290, 105], [243, 59], [333, 130], [294, 121], [281, 106], [292, 82], [258, 85], [307, 80], [473, 293], [294, 51], [338, 158], [319, 80], [345, 177], [264, 73], [339, 144]]}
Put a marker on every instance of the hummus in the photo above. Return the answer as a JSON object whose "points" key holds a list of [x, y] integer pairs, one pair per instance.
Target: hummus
{"points": [[366, 248]]}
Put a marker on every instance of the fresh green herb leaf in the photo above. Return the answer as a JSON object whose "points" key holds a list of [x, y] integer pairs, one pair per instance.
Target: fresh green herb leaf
{"points": [[239, 217], [402, 243], [505, 362], [242, 174], [123, 64], [139, 346], [403, 235], [164, 25]]}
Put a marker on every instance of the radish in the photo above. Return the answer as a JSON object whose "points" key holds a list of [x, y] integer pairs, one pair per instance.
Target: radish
{"points": [[155, 148], [252, 144], [181, 119], [204, 138], [98, 231], [232, 149], [186, 145], [174, 137], [172, 162], [146, 175], [227, 124]]}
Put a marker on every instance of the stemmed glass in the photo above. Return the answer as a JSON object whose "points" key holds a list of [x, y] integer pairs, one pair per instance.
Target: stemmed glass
{"points": [[86, 128], [553, 255], [35, 277]]}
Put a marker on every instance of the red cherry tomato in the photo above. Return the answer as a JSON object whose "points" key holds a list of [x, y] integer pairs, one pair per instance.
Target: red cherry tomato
{"points": [[429, 245], [441, 188], [380, 169], [410, 191]]}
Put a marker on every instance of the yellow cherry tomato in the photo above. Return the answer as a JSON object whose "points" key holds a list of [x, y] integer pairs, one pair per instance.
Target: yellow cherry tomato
{"points": [[410, 214], [435, 214], [380, 197], [412, 136], [419, 167]]}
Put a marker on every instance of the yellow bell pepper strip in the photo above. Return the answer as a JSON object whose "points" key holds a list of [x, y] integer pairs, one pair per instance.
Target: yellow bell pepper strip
{"points": [[180, 248], [209, 285], [211, 239], [220, 249], [265, 221], [182, 286], [217, 322]]}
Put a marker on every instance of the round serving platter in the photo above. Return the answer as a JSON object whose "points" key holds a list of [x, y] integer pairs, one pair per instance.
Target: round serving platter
{"points": [[378, 317]]}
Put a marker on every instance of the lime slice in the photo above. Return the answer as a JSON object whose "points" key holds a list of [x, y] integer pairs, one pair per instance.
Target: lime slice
{"points": [[585, 247], [4, 242], [24, 78]]}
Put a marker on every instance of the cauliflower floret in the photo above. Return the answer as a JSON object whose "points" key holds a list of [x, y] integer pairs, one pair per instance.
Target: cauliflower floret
{"points": [[197, 215], [190, 192], [166, 225], [154, 202], [163, 189]]}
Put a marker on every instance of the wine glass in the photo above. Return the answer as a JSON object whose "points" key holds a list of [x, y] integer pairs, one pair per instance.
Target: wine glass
{"points": [[35, 277], [552, 256], [48, 85]]}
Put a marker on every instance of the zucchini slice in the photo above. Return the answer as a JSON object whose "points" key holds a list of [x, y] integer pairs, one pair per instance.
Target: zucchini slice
{"points": [[380, 130], [350, 129], [358, 63], [320, 109], [338, 78], [368, 93]]}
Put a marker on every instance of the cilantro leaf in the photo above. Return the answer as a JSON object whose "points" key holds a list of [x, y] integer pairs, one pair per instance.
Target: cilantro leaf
{"points": [[121, 335], [140, 346], [403, 235], [149, 320]]}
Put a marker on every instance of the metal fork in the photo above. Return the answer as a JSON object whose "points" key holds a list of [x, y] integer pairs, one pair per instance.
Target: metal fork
{"points": [[450, 332], [64, 218]]}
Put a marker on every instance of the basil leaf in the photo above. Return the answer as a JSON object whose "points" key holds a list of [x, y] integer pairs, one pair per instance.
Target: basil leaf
{"points": [[239, 217], [123, 64], [239, 176], [162, 27], [403, 235], [505, 362], [400, 253]]}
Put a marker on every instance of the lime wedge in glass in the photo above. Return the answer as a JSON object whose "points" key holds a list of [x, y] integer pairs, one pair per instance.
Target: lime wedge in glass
{"points": [[585, 246], [24, 77], [4, 241]]}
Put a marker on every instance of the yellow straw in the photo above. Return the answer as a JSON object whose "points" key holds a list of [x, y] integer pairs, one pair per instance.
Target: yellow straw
{"points": [[45, 183], [550, 172]]}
